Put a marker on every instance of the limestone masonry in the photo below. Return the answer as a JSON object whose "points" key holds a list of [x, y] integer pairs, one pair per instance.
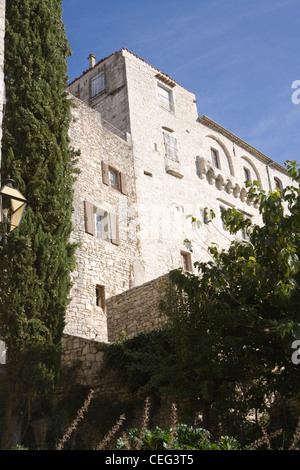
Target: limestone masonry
{"points": [[148, 161]]}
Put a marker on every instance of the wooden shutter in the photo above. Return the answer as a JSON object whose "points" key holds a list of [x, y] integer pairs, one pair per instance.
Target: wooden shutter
{"points": [[170, 145], [123, 183], [105, 173], [97, 84], [114, 227], [89, 218]]}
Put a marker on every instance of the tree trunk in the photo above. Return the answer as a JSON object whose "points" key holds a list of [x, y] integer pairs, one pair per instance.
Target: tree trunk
{"points": [[206, 416], [12, 424]]}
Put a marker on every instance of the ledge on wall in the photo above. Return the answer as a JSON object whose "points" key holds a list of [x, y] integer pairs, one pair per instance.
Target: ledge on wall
{"points": [[173, 168], [174, 173]]}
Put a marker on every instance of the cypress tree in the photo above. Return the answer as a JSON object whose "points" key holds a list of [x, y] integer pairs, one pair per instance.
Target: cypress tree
{"points": [[37, 261]]}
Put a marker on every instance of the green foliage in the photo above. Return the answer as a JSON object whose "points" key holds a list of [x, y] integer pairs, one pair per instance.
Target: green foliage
{"points": [[143, 362], [234, 321], [19, 448], [182, 438], [38, 259]]}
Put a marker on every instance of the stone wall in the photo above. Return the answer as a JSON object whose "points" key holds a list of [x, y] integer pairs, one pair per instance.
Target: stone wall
{"points": [[86, 354], [136, 310], [91, 373], [105, 260], [114, 96]]}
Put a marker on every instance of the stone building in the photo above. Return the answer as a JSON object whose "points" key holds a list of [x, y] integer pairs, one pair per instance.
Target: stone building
{"points": [[148, 161]]}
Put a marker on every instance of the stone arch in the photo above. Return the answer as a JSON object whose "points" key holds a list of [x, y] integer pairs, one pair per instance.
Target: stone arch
{"points": [[254, 168], [226, 151]]}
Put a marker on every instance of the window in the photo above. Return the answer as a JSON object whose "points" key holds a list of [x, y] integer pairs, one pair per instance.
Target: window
{"points": [[100, 296], [114, 178], [215, 158], [165, 97], [222, 209], [278, 184], [102, 224], [244, 233], [186, 261], [205, 215], [170, 144], [247, 174], [223, 206], [97, 85]]}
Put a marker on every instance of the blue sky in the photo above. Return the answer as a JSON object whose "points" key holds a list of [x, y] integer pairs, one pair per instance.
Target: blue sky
{"points": [[239, 57]]}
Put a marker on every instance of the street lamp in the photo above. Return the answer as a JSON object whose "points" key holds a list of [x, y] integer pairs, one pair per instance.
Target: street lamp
{"points": [[12, 206]]}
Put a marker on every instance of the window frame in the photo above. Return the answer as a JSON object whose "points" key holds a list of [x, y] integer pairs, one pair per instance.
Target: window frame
{"points": [[166, 102], [278, 184], [247, 172], [215, 158], [186, 260], [100, 296], [116, 183], [121, 180], [91, 213], [102, 220]]}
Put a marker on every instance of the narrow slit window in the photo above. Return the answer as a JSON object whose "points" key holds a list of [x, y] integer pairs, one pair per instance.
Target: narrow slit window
{"points": [[215, 158], [278, 184], [247, 174], [100, 296]]}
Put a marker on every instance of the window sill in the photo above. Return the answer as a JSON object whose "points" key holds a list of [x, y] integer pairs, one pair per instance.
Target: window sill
{"points": [[174, 173], [173, 168]]}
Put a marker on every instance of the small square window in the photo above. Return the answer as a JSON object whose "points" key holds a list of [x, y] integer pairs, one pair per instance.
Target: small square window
{"points": [[215, 158], [114, 178], [100, 297]]}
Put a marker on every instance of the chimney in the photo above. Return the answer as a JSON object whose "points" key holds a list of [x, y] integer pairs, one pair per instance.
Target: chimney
{"points": [[92, 60]]}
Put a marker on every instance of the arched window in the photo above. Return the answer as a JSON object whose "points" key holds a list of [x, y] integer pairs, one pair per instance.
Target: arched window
{"points": [[278, 184]]}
